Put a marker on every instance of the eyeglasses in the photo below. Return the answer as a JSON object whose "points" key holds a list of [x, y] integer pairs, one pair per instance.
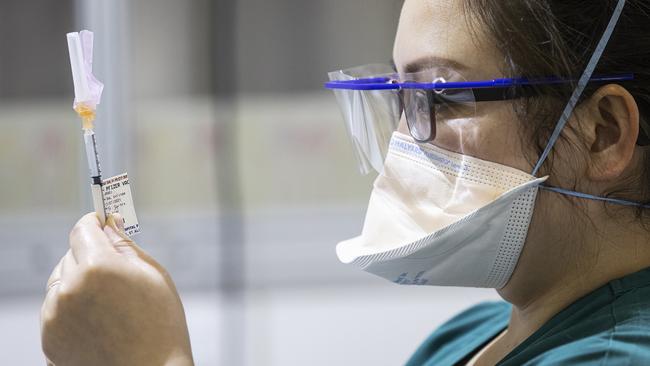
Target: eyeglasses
{"points": [[373, 99], [422, 102]]}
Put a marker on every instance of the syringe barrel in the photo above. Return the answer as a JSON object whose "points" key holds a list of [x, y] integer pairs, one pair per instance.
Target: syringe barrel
{"points": [[91, 155]]}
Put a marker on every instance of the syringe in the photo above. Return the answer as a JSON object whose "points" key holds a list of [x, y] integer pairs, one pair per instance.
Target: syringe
{"points": [[87, 117], [87, 94]]}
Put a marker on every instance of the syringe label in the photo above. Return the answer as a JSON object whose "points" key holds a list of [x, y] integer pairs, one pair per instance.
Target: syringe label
{"points": [[118, 199]]}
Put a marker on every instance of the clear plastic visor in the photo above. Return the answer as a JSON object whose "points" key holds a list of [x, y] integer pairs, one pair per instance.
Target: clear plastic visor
{"points": [[376, 101]]}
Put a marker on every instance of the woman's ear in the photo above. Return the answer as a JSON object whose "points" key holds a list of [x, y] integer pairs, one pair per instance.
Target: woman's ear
{"points": [[611, 127]]}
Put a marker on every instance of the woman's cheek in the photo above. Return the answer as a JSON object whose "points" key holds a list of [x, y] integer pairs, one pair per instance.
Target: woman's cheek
{"points": [[460, 136], [492, 140]]}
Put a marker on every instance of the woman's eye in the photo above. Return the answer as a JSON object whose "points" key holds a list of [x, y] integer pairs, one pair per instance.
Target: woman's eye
{"points": [[449, 111], [452, 104]]}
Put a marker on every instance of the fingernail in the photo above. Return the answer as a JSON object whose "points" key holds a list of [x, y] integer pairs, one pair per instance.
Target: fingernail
{"points": [[110, 221], [119, 222], [116, 221]]}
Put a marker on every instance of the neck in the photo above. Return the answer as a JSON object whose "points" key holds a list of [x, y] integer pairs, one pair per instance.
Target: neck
{"points": [[613, 251], [528, 317]]}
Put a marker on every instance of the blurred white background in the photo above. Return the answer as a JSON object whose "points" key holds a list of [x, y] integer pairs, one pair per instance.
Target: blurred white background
{"points": [[242, 174]]}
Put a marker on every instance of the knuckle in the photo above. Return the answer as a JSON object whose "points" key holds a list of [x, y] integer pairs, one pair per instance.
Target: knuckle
{"points": [[82, 224], [87, 279], [48, 319], [76, 230], [93, 270], [64, 296]]}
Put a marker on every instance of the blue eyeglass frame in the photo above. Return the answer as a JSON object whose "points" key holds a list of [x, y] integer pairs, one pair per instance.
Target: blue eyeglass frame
{"points": [[387, 83]]}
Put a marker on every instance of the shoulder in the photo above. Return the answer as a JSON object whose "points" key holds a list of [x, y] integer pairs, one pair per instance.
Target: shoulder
{"points": [[627, 343], [462, 329], [602, 350]]}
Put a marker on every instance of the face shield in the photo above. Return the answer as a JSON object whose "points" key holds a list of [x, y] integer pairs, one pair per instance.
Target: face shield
{"points": [[371, 110], [437, 214], [374, 99]]}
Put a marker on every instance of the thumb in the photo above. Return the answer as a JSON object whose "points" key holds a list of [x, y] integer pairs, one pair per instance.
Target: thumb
{"points": [[127, 247], [119, 221], [114, 229]]}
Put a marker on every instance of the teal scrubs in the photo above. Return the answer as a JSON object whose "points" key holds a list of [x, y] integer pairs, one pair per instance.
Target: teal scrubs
{"points": [[610, 326]]}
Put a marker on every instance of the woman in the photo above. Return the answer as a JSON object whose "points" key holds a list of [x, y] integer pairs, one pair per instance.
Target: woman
{"points": [[566, 247]]}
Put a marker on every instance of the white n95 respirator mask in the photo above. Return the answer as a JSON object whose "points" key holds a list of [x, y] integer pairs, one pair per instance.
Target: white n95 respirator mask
{"points": [[441, 218]]}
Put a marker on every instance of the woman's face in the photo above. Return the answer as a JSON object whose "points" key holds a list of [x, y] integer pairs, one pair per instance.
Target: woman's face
{"points": [[436, 33]]}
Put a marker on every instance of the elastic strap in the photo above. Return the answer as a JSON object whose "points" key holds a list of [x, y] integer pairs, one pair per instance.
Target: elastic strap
{"points": [[592, 197], [582, 84]]}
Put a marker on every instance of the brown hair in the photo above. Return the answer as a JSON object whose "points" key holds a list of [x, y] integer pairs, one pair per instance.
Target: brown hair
{"points": [[540, 38]]}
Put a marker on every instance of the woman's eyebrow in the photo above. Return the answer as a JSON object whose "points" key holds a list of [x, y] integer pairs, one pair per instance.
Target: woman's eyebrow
{"points": [[429, 62]]}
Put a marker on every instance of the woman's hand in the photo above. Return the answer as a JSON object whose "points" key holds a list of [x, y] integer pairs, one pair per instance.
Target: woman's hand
{"points": [[109, 303]]}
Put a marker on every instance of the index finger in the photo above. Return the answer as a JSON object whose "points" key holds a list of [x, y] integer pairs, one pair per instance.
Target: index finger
{"points": [[88, 240]]}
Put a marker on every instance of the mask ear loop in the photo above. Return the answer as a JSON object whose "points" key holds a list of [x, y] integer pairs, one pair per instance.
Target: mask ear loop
{"points": [[582, 84]]}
